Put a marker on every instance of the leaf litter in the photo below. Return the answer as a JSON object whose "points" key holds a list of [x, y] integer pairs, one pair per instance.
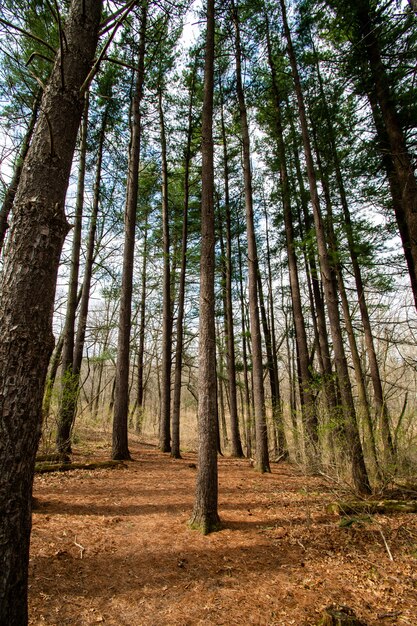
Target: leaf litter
{"points": [[113, 547]]}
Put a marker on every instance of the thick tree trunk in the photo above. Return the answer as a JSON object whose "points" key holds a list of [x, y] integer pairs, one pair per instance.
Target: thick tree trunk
{"points": [[7, 205], [120, 448], [165, 423], [205, 516], [28, 291], [359, 473], [262, 454]]}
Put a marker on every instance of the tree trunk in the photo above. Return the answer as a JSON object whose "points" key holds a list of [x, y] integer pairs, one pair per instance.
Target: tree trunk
{"points": [[330, 385], [68, 385], [380, 403], [28, 291], [141, 345], [245, 359], [399, 153], [307, 401], [364, 409], [277, 413], [236, 444], [165, 424], [11, 190], [359, 473], [262, 454], [176, 404], [205, 516], [120, 449], [71, 381]]}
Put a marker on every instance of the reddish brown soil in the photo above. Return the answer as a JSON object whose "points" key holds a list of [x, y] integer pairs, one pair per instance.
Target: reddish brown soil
{"points": [[113, 547]]}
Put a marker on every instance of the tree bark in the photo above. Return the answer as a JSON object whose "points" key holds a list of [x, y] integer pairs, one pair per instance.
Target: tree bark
{"points": [[307, 401], [71, 381], [165, 421], [236, 444], [380, 403], [28, 290], [205, 516], [363, 403], [120, 448], [141, 345], [359, 473], [262, 454], [67, 379], [401, 158], [176, 403]]}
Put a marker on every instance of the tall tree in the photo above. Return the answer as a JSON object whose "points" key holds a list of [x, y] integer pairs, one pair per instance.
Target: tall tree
{"points": [[205, 516], [28, 290], [165, 420], [188, 153], [262, 454], [362, 19], [120, 448], [380, 402], [236, 443], [73, 351], [69, 328], [359, 473], [303, 360]]}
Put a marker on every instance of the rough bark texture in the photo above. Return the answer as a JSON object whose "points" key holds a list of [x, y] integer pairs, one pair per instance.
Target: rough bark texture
{"points": [[120, 449], [350, 426], [205, 516], [262, 454], [28, 290]]}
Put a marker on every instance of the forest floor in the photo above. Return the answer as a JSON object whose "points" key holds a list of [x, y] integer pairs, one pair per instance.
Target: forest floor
{"points": [[112, 547]]}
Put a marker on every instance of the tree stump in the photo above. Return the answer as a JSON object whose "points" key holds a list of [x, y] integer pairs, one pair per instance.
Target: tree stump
{"points": [[339, 616]]}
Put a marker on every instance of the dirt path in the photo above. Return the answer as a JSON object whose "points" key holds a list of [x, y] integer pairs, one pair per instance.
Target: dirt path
{"points": [[113, 547]]}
